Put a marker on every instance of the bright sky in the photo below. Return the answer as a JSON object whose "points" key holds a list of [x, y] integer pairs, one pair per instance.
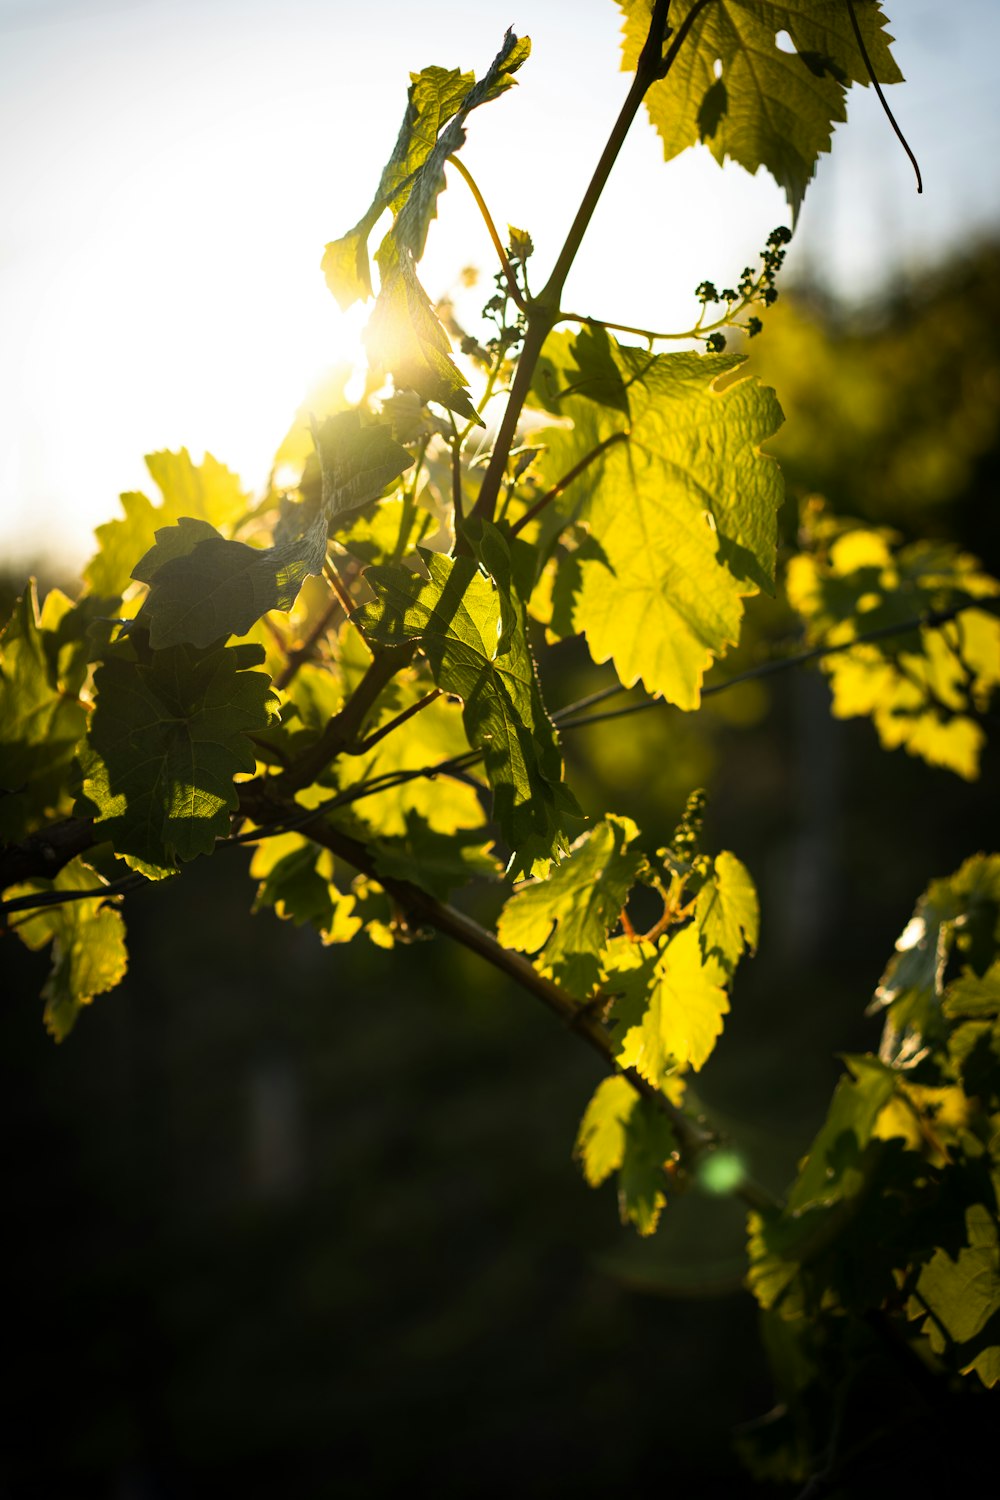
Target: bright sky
{"points": [[170, 172]]}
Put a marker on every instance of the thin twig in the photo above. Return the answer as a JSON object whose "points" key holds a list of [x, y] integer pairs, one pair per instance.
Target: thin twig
{"points": [[335, 581], [566, 480], [41, 899], [508, 270], [401, 718], [928, 621]]}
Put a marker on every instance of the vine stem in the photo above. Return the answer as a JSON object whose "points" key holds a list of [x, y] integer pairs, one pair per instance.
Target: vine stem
{"points": [[379, 734], [508, 270], [45, 852], [543, 310]]}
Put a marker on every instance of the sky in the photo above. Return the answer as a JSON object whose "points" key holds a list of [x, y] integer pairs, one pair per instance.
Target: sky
{"points": [[170, 173]]}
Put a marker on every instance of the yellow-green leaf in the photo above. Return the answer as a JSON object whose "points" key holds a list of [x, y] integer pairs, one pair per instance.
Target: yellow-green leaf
{"points": [[672, 1002], [88, 944], [570, 913]]}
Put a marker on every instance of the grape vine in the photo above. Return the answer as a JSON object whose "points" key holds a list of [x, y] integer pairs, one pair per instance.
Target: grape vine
{"points": [[344, 674]]}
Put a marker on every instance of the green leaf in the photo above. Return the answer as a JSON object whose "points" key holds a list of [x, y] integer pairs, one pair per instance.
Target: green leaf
{"points": [[437, 862], [911, 989], [569, 915], [830, 1170], [167, 738], [471, 627], [923, 689], [405, 338], [670, 1009], [357, 461], [649, 1146], [973, 994], [767, 108], [962, 1295], [621, 1131], [41, 717], [727, 913], [415, 168], [296, 882], [203, 588], [679, 500], [88, 944], [435, 96], [206, 492], [600, 1141]]}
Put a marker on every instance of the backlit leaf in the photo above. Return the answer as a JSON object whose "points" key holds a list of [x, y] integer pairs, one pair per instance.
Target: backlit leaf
{"points": [[679, 500], [168, 736], [670, 1009], [830, 1170], [621, 1131], [88, 944], [471, 627], [41, 717], [203, 588], [569, 915], [727, 913], [922, 688], [206, 492], [767, 107]]}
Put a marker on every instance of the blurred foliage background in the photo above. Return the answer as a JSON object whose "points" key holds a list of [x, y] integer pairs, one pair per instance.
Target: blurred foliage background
{"points": [[286, 1219]]}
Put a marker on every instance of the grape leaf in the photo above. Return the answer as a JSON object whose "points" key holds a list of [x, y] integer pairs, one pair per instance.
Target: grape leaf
{"points": [[620, 1131], [404, 336], [436, 95], [669, 1011], [41, 717], [679, 499], [437, 862], [727, 913], [649, 1145], [974, 994], [296, 882], [922, 689], [962, 1294], [357, 461], [569, 915], [167, 737], [830, 1169], [203, 588], [600, 1141], [471, 627], [911, 989], [88, 944], [767, 107], [206, 492]]}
